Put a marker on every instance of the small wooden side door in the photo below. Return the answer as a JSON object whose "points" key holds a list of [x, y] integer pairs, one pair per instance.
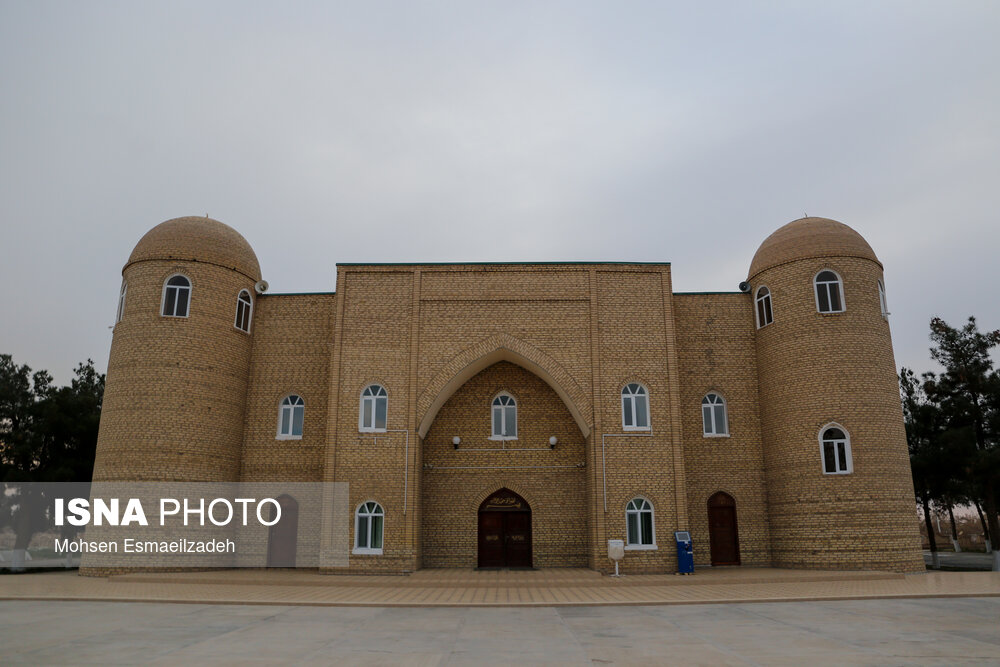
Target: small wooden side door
{"points": [[723, 534], [283, 536]]}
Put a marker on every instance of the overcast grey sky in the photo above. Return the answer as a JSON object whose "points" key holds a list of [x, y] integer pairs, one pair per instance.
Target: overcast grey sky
{"points": [[449, 131]]}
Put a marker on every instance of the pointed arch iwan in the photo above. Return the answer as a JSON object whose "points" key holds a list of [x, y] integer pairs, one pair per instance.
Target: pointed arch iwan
{"points": [[470, 362]]}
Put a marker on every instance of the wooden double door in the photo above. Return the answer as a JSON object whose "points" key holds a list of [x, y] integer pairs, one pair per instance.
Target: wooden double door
{"points": [[505, 531]]}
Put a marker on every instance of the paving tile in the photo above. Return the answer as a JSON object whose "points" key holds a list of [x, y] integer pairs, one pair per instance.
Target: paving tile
{"points": [[467, 587], [850, 632]]}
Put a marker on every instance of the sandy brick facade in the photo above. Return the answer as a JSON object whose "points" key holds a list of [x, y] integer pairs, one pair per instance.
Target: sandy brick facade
{"points": [[174, 406], [291, 355], [853, 385], [716, 351], [563, 339], [455, 481]]}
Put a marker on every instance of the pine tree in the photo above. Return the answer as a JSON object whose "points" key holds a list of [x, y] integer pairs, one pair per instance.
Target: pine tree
{"points": [[968, 395]]}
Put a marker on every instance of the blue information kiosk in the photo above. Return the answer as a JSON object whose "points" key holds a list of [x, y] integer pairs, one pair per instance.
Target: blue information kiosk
{"points": [[685, 556]]}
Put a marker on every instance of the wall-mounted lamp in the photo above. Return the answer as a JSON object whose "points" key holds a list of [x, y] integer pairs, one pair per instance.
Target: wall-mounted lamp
{"points": [[552, 442], [456, 441]]}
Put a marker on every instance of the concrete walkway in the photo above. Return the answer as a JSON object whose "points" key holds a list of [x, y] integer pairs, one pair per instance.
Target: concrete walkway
{"points": [[930, 631], [436, 588]]}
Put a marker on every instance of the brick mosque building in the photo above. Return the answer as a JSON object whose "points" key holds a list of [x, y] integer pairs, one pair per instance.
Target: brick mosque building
{"points": [[521, 415]]}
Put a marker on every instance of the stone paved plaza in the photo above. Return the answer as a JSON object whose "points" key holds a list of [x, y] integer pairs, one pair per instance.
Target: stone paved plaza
{"points": [[450, 587], [928, 631]]}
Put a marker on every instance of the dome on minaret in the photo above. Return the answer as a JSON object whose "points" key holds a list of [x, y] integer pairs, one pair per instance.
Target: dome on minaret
{"points": [[806, 238], [198, 239]]}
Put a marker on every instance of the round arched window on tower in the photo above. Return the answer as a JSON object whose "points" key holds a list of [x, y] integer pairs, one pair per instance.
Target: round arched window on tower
{"points": [[176, 296], [244, 311], [829, 292]]}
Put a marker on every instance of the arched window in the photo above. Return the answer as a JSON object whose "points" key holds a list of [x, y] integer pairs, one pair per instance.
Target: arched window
{"points": [[835, 445], [374, 409], [764, 314], [176, 296], [244, 309], [883, 304], [639, 532], [290, 417], [368, 529], [121, 303], [713, 416], [635, 407], [829, 292], [504, 417]]}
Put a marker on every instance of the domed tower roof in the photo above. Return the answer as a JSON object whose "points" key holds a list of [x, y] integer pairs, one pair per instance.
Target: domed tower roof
{"points": [[810, 237], [198, 239]]}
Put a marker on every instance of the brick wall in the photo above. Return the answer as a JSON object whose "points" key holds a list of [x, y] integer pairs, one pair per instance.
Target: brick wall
{"points": [[176, 386], [196, 399], [634, 345], [460, 479], [717, 354], [816, 369], [424, 331], [292, 337]]}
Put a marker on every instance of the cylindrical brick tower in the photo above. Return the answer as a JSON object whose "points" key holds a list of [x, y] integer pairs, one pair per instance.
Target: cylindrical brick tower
{"points": [[179, 364], [825, 361]]}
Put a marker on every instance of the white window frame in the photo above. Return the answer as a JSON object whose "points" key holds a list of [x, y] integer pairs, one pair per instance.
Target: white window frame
{"points": [[652, 522], [373, 399], [368, 516], [645, 394], [502, 411], [121, 302], [241, 305], [836, 452], [883, 302], [282, 406], [826, 283], [163, 298], [757, 307], [715, 433]]}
